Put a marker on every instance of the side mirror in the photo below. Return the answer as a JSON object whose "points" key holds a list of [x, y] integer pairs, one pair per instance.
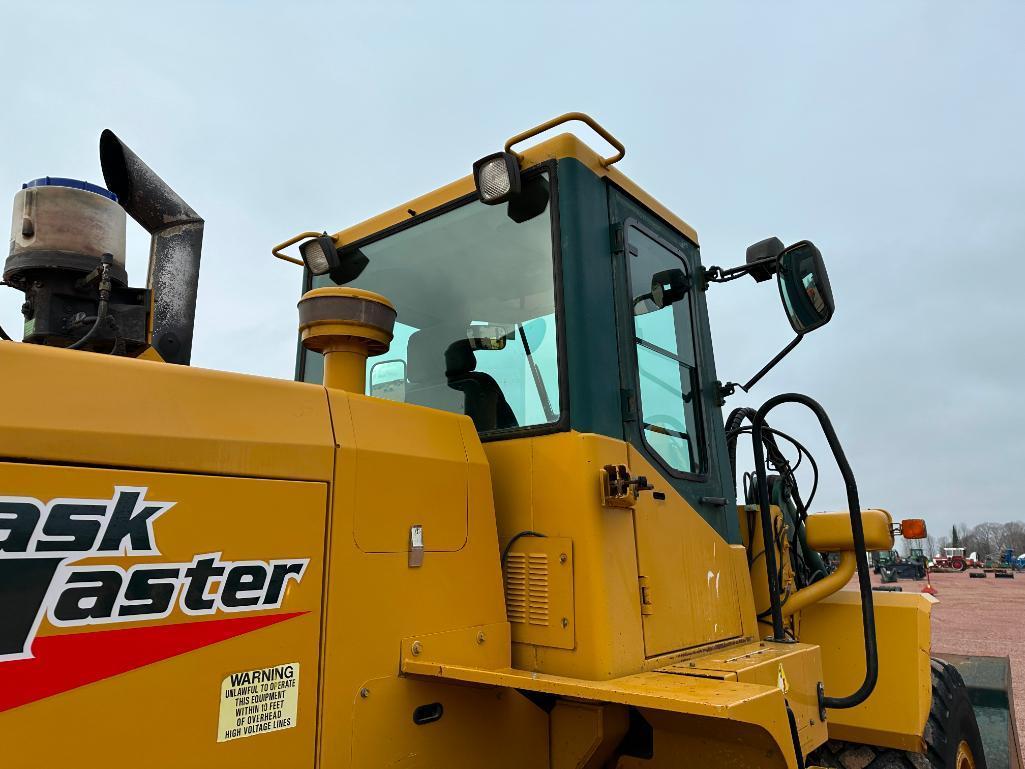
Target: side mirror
{"points": [[388, 380], [804, 287], [487, 337], [668, 286]]}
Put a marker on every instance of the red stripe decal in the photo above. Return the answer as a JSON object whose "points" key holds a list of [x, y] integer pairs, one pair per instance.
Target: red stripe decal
{"points": [[65, 662]]}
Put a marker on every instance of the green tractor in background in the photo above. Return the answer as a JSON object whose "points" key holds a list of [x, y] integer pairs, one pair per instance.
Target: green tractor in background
{"points": [[891, 566]]}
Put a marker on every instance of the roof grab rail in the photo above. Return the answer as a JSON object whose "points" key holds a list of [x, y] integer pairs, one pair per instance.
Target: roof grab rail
{"points": [[568, 117]]}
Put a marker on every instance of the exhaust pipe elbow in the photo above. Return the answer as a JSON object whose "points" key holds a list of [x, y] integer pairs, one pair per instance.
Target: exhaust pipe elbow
{"points": [[176, 232]]}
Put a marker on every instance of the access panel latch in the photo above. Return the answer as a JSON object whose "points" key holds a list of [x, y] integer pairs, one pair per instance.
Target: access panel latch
{"points": [[619, 488]]}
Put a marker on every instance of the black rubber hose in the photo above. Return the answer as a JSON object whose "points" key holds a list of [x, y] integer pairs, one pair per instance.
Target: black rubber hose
{"points": [[857, 530], [795, 737], [3, 335], [768, 540], [101, 315], [733, 423]]}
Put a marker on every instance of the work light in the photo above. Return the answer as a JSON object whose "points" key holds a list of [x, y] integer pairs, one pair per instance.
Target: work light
{"points": [[497, 177], [319, 254]]}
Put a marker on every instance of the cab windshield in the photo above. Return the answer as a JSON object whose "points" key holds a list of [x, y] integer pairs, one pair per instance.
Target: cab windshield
{"points": [[476, 332]]}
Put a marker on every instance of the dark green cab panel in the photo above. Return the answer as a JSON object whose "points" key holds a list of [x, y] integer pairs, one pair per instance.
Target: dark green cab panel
{"points": [[592, 357], [596, 222]]}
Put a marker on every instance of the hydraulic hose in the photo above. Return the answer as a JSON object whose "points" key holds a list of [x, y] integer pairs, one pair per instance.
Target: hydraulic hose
{"points": [[101, 315], [857, 530]]}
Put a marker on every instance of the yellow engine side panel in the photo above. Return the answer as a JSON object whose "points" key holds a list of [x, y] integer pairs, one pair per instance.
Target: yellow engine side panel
{"points": [[123, 412], [375, 600], [894, 715], [419, 459], [101, 693]]}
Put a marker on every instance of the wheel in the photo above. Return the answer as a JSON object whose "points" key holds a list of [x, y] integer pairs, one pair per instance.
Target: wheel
{"points": [[952, 739], [958, 563]]}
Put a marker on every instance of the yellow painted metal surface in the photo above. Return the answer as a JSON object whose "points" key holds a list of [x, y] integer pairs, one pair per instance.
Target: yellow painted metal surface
{"points": [[550, 485], [412, 471], [710, 743], [480, 727], [451, 605], [894, 715], [831, 532], [688, 699], [124, 412], [538, 574], [165, 713], [689, 570], [585, 735], [795, 668], [826, 586]]}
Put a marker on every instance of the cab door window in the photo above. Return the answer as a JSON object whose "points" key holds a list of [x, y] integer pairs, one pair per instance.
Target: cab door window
{"points": [[667, 378]]}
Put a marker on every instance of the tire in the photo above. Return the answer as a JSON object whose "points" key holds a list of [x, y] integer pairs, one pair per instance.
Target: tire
{"points": [[952, 739], [958, 563]]}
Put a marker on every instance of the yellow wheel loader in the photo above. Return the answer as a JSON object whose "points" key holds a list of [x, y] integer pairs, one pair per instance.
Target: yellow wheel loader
{"points": [[513, 540]]}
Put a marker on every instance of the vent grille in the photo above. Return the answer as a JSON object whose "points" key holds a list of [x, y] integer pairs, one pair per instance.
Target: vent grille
{"points": [[527, 589]]}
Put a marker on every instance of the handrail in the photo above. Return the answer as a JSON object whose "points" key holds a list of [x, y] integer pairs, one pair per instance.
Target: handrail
{"points": [[569, 116], [857, 533], [291, 241]]}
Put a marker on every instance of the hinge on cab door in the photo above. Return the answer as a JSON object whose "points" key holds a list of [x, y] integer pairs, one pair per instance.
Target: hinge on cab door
{"points": [[618, 238], [647, 605]]}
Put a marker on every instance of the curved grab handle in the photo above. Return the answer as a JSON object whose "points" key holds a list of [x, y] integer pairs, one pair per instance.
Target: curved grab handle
{"points": [[857, 531], [292, 241], [570, 116]]}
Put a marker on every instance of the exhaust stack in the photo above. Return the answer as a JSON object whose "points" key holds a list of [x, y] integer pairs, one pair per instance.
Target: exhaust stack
{"points": [[177, 240]]}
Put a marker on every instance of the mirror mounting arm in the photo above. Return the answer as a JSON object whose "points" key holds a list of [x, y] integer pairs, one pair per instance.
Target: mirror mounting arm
{"points": [[760, 270], [728, 389]]}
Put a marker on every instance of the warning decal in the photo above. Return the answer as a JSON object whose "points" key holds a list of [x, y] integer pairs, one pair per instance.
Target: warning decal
{"points": [[258, 701]]}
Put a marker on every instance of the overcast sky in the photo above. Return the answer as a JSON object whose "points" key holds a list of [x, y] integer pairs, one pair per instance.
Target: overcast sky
{"points": [[892, 134]]}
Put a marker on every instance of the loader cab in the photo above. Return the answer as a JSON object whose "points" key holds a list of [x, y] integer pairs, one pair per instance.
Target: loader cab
{"points": [[586, 314]]}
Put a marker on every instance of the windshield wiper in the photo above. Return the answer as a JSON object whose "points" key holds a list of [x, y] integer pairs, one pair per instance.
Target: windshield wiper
{"points": [[542, 392]]}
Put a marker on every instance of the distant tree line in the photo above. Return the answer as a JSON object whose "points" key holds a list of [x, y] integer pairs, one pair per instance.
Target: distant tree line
{"points": [[984, 539]]}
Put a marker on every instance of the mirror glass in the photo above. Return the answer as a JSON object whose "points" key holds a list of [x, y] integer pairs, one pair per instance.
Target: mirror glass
{"points": [[668, 287], [804, 287], [388, 380], [484, 337]]}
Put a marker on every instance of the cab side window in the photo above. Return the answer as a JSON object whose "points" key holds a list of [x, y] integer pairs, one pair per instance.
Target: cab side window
{"points": [[660, 291]]}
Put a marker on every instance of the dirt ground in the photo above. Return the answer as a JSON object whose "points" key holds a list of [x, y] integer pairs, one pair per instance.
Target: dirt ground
{"points": [[980, 616]]}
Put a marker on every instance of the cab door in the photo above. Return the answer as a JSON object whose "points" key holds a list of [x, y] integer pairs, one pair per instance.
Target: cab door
{"points": [[674, 425]]}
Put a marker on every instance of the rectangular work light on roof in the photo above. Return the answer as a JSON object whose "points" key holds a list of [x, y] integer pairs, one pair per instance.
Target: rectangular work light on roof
{"points": [[497, 177], [319, 254]]}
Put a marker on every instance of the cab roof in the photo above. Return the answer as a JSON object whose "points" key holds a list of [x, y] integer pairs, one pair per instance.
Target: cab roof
{"points": [[565, 145]]}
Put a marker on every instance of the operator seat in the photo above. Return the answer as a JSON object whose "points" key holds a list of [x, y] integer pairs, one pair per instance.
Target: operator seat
{"points": [[440, 374], [484, 400]]}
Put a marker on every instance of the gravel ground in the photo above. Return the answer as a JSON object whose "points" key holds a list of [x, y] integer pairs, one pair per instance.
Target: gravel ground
{"points": [[981, 616]]}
